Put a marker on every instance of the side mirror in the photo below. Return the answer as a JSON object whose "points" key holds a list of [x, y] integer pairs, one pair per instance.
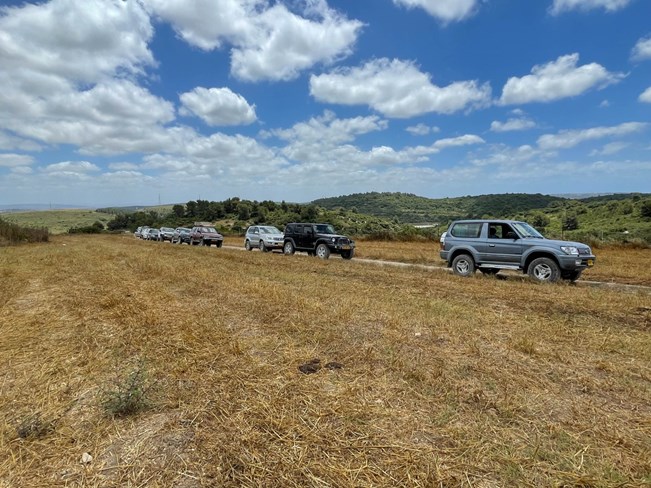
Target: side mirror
{"points": [[511, 235]]}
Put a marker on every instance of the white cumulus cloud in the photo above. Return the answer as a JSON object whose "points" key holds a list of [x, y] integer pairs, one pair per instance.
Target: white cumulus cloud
{"points": [[83, 41], [218, 106], [642, 49], [646, 95], [570, 138], [444, 10], [422, 129], [561, 6], [15, 160], [267, 42], [513, 124], [396, 89], [556, 80]]}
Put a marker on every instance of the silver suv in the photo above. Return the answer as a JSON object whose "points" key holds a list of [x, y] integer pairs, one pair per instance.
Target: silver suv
{"points": [[264, 237], [493, 245]]}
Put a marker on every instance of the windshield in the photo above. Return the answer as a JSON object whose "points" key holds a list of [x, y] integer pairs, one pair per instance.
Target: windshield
{"points": [[525, 230], [167, 229], [269, 230], [325, 229], [208, 229]]}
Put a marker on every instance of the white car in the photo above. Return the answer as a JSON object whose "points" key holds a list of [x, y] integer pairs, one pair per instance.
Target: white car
{"points": [[264, 237]]}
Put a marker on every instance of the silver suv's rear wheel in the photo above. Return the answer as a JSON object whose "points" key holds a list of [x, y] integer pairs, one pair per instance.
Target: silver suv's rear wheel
{"points": [[544, 270], [463, 265]]}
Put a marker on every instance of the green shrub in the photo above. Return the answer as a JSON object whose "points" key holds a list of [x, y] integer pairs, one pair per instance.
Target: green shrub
{"points": [[129, 395], [11, 233]]}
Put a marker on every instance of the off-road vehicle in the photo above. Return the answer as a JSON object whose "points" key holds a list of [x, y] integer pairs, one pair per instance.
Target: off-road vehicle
{"points": [[317, 240], [264, 237], [494, 245], [205, 234]]}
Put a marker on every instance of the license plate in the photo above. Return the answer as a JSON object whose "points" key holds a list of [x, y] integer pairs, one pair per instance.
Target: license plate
{"points": [[590, 262]]}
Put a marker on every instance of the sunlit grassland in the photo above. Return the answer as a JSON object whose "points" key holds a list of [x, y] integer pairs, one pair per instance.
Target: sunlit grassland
{"points": [[614, 264], [445, 381], [57, 221]]}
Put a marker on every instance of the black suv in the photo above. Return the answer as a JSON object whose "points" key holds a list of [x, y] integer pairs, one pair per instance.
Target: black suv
{"points": [[492, 245], [317, 240]]}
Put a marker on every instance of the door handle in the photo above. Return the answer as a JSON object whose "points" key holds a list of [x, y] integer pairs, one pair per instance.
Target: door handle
{"points": [[491, 245]]}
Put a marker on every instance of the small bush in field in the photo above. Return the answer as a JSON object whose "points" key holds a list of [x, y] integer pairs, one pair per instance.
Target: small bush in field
{"points": [[11, 233], [128, 395], [34, 427]]}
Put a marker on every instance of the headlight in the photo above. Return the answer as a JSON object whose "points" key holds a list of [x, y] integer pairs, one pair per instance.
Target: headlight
{"points": [[571, 250], [333, 239]]}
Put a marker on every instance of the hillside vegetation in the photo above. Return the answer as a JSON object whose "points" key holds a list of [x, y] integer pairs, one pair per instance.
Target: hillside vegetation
{"points": [[386, 216], [11, 234], [58, 221], [611, 217], [438, 381]]}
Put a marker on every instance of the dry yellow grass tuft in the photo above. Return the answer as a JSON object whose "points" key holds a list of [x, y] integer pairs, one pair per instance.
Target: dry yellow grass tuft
{"points": [[445, 381]]}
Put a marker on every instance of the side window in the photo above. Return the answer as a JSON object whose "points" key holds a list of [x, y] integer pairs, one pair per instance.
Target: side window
{"points": [[307, 229], [495, 231], [255, 230], [467, 229]]}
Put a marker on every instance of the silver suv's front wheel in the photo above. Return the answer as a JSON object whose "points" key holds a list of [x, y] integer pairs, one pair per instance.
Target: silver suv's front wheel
{"points": [[544, 270]]}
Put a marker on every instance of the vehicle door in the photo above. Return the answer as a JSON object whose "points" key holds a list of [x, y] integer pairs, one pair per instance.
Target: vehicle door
{"points": [[297, 234], [503, 245], [306, 233], [254, 236]]}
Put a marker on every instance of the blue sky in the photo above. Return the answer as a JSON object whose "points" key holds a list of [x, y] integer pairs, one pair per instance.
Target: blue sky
{"points": [[132, 102]]}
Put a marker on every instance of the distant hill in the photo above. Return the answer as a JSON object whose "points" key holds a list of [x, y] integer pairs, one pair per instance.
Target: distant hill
{"points": [[409, 208], [617, 217]]}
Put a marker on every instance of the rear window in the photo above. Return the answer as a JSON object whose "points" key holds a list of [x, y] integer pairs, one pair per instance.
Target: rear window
{"points": [[466, 229]]}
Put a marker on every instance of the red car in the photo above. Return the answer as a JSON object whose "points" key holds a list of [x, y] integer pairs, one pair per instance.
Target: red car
{"points": [[205, 236]]}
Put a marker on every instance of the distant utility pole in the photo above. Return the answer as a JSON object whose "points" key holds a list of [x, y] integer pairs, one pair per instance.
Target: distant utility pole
{"points": [[159, 199]]}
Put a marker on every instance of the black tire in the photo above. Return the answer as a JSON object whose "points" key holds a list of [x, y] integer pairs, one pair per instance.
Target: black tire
{"points": [[463, 265], [219, 243], [204, 243], [348, 254], [247, 246], [288, 248], [571, 275], [489, 271], [322, 251], [544, 270]]}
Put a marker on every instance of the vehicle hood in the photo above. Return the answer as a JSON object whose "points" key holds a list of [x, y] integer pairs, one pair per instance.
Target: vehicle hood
{"points": [[555, 242], [210, 234], [335, 236]]}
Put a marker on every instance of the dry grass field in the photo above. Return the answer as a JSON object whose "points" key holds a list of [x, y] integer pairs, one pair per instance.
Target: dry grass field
{"points": [[614, 264], [443, 382], [57, 221]]}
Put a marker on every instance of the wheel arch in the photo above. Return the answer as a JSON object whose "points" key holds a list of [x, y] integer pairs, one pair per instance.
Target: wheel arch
{"points": [[538, 254], [462, 250]]}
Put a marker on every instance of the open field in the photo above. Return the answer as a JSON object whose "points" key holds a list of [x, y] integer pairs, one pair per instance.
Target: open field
{"points": [[614, 265], [57, 221], [445, 381]]}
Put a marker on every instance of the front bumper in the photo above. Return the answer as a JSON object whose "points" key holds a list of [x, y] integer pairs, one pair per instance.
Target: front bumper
{"points": [[576, 263]]}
